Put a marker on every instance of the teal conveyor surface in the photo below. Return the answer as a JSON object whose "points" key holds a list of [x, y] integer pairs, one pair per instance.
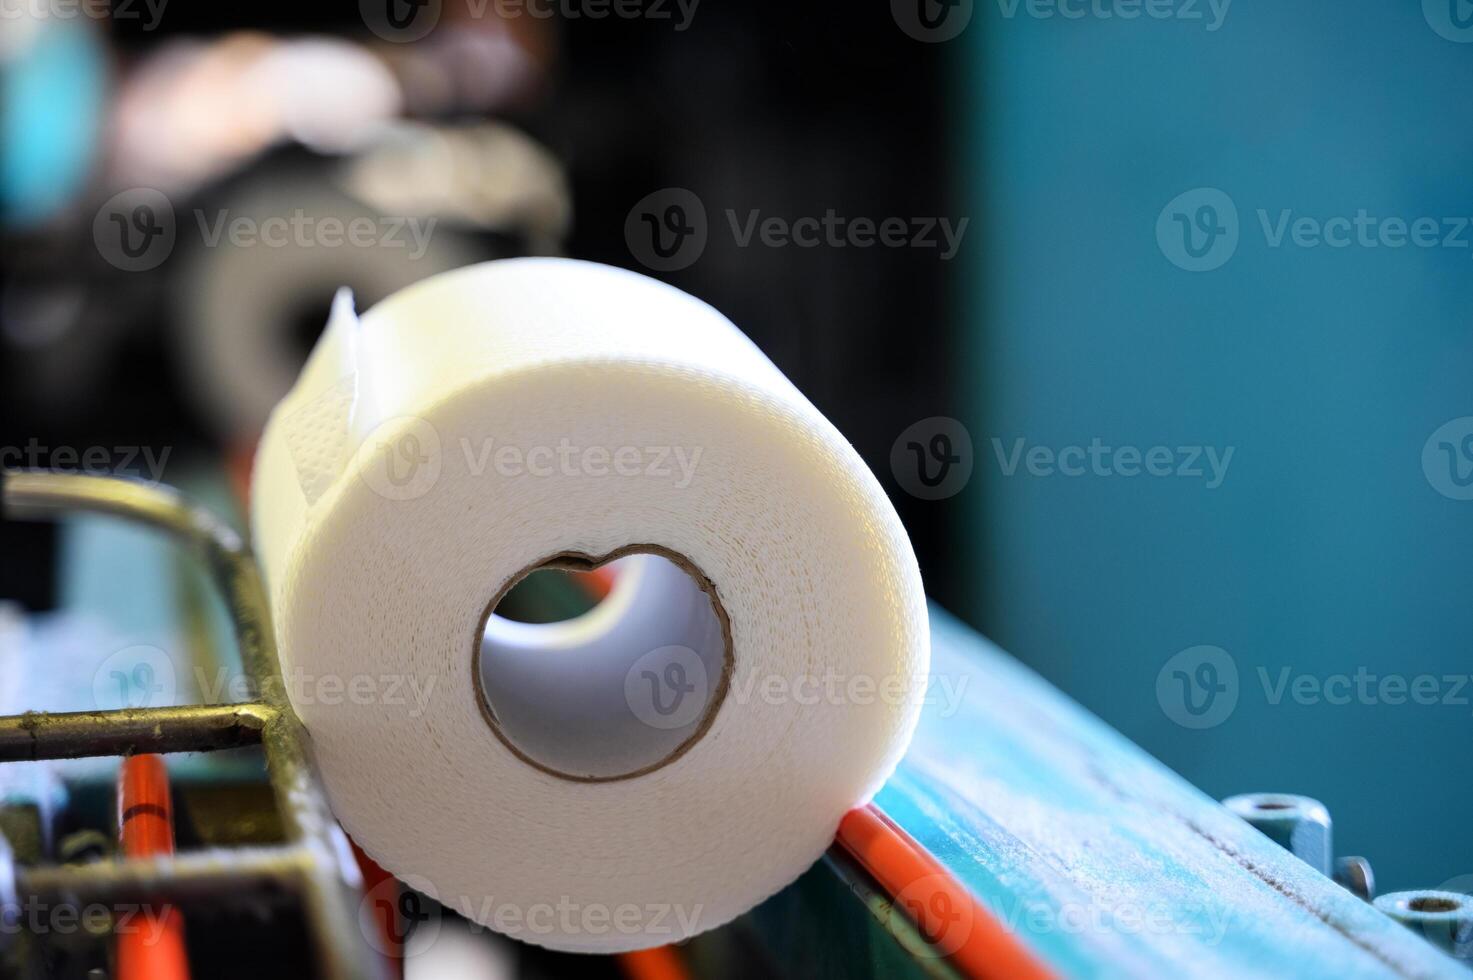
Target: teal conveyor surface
{"points": [[1098, 857]]}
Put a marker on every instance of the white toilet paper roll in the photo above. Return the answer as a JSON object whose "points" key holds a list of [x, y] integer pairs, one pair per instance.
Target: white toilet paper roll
{"points": [[684, 765]]}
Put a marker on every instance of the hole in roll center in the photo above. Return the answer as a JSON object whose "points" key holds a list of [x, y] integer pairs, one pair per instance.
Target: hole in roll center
{"points": [[614, 692]]}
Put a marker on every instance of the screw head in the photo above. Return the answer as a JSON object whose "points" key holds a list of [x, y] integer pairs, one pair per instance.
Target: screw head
{"points": [[1354, 874]]}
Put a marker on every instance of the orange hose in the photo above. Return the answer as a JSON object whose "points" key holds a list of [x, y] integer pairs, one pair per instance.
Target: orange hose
{"points": [[150, 946], [950, 918], [390, 928], [238, 463], [660, 963], [597, 583]]}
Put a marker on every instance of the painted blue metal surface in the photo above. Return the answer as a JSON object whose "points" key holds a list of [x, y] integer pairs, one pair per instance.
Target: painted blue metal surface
{"points": [[1103, 860]]}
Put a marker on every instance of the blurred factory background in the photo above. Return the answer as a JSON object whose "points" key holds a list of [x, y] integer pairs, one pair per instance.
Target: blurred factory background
{"points": [[1156, 328]]}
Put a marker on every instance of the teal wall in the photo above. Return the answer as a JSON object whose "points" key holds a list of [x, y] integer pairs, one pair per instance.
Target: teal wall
{"points": [[1328, 547]]}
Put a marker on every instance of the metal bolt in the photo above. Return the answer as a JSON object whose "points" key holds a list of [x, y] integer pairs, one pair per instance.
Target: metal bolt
{"points": [[1354, 874], [1298, 824], [1444, 918]]}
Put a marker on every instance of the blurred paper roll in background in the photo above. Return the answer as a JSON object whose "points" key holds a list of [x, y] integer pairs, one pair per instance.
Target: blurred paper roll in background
{"points": [[187, 347], [223, 133], [248, 315], [753, 676]]}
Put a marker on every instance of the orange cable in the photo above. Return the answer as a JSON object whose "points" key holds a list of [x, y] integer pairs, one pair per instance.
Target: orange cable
{"points": [[660, 963], [950, 918], [150, 946], [391, 925], [239, 460], [597, 582]]}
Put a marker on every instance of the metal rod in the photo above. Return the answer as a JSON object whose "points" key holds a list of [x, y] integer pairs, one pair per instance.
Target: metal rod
{"points": [[215, 873], [31, 495], [127, 731], [330, 882]]}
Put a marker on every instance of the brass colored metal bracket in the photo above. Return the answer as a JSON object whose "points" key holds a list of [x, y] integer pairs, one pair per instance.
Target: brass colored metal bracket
{"points": [[315, 864]]}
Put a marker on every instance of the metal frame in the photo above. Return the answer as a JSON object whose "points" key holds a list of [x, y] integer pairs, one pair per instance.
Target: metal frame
{"points": [[315, 863]]}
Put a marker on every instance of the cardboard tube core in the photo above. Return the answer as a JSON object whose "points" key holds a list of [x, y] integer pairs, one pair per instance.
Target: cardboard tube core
{"points": [[620, 691]]}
